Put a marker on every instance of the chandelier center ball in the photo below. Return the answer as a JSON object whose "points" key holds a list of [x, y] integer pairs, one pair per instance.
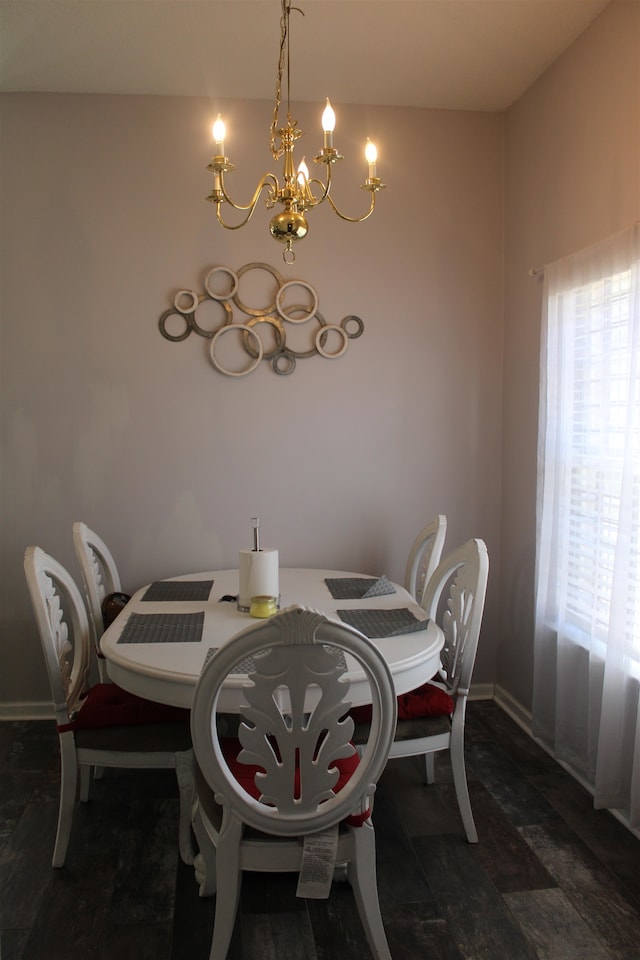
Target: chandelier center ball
{"points": [[288, 225]]}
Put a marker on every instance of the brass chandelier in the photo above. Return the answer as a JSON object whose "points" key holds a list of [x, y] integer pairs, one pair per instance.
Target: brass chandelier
{"points": [[296, 193]]}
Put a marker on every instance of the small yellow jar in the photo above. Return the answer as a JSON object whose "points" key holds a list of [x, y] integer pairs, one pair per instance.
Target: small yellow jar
{"points": [[263, 607]]}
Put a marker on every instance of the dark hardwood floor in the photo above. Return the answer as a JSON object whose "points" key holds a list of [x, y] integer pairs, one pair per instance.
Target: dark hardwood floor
{"points": [[550, 878]]}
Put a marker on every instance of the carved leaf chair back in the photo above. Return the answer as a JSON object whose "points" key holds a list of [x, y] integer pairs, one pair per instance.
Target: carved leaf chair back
{"points": [[100, 578], [292, 771], [98, 725], [424, 556], [431, 718]]}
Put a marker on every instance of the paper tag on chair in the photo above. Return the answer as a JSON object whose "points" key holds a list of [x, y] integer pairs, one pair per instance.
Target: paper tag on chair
{"points": [[318, 864]]}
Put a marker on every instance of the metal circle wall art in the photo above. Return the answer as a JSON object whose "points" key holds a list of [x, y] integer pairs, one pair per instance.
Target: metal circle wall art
{"points": [[261, 329]]}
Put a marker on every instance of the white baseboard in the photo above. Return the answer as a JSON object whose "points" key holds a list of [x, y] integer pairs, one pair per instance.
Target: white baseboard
{"points": [[39, 710], [514, 708], [482, 691]]}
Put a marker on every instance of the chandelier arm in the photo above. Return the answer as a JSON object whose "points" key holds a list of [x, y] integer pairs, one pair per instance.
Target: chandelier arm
{"points": [[268, 180], [233, 226], [343, 216], [310, 199]]}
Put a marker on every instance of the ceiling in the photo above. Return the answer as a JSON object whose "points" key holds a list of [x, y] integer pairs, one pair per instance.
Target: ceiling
{"points": [[450, 54]]}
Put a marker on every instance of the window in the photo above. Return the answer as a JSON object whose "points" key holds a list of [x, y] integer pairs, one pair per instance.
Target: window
{"points": [[586, 691]]}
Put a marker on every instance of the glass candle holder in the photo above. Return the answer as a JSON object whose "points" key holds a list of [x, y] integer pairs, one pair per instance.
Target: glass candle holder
{"points": [[263, 607]]}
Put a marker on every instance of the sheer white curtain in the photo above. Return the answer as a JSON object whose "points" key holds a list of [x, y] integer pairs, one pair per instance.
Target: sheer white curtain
{"points": [[587, 629]]}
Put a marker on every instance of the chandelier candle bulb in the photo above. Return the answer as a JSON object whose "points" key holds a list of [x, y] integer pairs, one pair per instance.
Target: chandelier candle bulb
{"points": [[303, 173], [328, 125], [371, 154], [219, 135]]}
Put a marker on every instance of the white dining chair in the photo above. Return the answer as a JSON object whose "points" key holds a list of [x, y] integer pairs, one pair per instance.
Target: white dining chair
{"points": [[292, 773], [432, 718], [100, 725], [100, 580], [424, 556]]}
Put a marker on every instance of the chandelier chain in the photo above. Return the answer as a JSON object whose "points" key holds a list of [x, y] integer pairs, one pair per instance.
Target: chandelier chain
{"points": [[283, 57]]}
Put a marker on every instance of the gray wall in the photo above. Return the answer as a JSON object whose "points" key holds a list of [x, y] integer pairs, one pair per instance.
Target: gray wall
{"points": [[572, 160], [105, 421]]}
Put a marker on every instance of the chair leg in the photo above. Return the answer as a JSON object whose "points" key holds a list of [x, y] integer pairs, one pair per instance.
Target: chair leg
{"points": [[228, 863], [68, 786], [362, 876], [86, 772], [460, 784], [204, 862], [186, 787], [430, 767]]}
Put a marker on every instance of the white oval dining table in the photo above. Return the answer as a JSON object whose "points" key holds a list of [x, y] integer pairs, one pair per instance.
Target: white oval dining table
{"points": [[167, 672]]}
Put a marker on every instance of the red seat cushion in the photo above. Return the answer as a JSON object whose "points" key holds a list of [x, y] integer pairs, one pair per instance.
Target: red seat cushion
{"points": [[108, 705], [245, 774], [426, 701]]}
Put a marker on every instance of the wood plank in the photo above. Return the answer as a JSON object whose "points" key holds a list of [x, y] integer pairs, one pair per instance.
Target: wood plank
{"points": [[27, 744], [615, 846], [147, 941], [555, 927], [144, 887], [399, 875], [417, 930], [292, 936], [25, 866], [506, 857], [522, 749], [596, 894], [422, 809], [504, 780], [270, 893], [192, 917], [13, 944], [479, 921], [337, 927], [72, 915], [253, 937]]}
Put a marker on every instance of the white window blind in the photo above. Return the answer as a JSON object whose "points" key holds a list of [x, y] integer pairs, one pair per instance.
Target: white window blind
{"points": [[600, 411]]}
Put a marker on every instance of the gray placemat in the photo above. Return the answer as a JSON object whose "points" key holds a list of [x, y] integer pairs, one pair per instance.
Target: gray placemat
{"points": [[163, 628], [381, 588], [195, 590], [356, 588], [242, 667], [248, 665], [383, 623]]}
